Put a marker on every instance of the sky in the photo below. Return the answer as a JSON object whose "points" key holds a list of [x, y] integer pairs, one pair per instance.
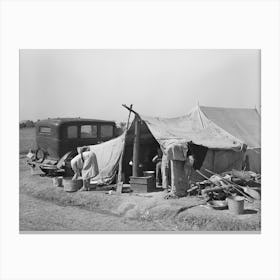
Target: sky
{"points": [[163, 83]]}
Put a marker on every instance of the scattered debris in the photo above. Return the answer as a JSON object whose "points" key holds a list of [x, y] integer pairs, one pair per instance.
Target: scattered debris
{"points": [[219, 187]]}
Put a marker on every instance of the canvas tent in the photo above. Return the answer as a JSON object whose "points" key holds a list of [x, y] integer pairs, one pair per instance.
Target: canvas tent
{"points": [[220, 143], [244, 124], [218, 150]]}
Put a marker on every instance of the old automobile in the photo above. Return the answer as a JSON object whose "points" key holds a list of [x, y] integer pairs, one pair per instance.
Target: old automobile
{"points": [[57, 141]]}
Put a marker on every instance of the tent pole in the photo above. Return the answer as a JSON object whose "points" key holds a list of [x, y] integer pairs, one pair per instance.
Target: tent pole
{"points": [[136, 146], [119, 181]]}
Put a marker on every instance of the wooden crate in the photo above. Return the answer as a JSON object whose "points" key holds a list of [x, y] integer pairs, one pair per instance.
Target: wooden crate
{"points": [[142, 184]]}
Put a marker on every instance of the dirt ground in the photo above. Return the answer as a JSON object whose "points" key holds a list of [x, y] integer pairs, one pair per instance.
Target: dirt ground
{"points": [[39, 215], [47, 208]]}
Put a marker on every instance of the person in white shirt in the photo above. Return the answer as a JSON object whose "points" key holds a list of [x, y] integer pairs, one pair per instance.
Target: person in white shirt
{"points": [[85, 165]]}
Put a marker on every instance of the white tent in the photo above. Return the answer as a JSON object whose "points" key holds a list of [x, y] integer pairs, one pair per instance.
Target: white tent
{"points": [[224, 133]]}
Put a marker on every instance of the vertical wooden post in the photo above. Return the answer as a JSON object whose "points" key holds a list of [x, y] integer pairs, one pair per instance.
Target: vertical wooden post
{"points": [[136, 147], [120, 179]]}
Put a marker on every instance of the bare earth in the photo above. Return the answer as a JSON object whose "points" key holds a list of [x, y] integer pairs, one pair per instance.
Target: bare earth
{"points": [[47, 208], [39, 215]]}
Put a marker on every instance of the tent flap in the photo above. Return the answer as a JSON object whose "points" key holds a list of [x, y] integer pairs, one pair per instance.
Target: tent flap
{"points": [[245, 124], [108, 155]]}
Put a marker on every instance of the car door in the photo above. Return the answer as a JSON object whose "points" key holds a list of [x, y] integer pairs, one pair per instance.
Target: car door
{"points": [[70, 138]]}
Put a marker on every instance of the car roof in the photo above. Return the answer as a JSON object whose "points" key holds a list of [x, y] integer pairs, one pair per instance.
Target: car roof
{"points": [[60, 121]]}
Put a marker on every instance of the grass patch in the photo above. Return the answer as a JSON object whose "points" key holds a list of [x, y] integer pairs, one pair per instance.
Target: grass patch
{"points": [[27, 139], [212, 223]]}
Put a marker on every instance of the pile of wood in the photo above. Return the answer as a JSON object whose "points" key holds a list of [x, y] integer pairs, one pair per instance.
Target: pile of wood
{"points": [[220, 186]]}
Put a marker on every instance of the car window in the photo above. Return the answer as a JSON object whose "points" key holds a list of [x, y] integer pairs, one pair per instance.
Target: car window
{"points": [[72, 131], [44, 130], [107, 130], [88, 131]]}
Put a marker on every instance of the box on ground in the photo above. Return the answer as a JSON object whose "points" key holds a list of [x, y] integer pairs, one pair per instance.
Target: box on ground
{"points": [[143, 184]]}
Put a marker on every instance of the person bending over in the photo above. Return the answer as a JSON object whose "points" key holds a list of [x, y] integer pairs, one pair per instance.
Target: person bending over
{"points": [[85, 165]]}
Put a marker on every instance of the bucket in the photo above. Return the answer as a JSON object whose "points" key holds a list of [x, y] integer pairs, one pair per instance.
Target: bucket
{"points": [[32, 170], [72, 185], [57, 181], [218, 204], [236, 204], [149, 174]]}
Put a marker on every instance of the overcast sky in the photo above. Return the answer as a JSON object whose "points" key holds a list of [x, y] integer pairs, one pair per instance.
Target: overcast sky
{"points": [[164, 83]]}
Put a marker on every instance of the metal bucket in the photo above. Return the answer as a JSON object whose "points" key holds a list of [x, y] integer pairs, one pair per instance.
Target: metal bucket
{"points": [[149, 174], [218, 204], [72, 185], [57, 181], [236, 204]]}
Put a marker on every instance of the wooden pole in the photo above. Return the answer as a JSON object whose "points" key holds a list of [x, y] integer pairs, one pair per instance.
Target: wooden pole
{"points": [[130, 109], [215, 189], [119, 182], [136, 146]]}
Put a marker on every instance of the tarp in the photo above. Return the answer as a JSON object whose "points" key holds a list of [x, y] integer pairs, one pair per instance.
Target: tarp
{"points": [[108, 156], [244, 124], [226, 132], [254, 159], [194, 127]]}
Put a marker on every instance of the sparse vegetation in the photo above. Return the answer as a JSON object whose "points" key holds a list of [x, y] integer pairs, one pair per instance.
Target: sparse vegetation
{"points": [[26, 140], [26, 124]]}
